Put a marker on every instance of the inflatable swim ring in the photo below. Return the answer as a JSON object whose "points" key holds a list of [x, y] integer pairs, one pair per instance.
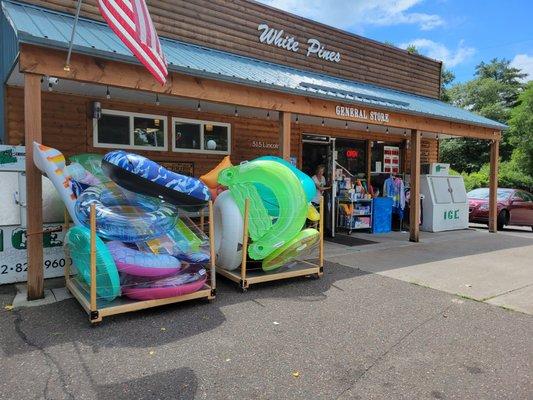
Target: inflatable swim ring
{"points": [[78, 241], [189, 280], [211, 178], [288, 192], [268, 197], [141, 175], [229, 227], [313, 214], [51, 162], [125, 216], [135, 262], [304, 241], [92, 163]]}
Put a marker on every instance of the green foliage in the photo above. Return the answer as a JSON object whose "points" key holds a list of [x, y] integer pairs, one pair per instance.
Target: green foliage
{"points": [[521, 129], [412, 49]]}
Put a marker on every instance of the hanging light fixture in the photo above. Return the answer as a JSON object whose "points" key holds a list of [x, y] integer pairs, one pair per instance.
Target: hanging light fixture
{"points": [[346, 125], [405, 132], [236, 113], [268, 114], [367, 129], [323, 122], [199, 107], [107, 93], [157, 102], [297, 119], [387, 130]]}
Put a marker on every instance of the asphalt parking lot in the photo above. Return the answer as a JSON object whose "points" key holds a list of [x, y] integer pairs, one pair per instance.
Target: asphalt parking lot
{"points": [[354, 334]]}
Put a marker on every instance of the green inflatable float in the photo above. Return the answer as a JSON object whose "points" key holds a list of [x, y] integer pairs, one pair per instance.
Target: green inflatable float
{"points": [[266, 235]]}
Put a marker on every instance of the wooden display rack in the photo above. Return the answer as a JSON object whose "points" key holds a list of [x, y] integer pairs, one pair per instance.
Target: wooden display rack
{"points": [[98, 310], [244, 278]]}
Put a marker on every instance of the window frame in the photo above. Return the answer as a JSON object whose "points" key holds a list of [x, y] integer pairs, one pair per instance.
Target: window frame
{"points": [[131, 116], [202, 124]]}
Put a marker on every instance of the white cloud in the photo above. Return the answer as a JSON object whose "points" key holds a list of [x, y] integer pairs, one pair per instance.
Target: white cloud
{"points": [[357, 13], [438, 51], [525, 63]]}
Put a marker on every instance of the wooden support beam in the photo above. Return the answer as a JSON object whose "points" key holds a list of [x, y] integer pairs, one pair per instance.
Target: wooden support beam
{"points": [[368, 163], [84, 68], [285, 135], [493, 186], [414, 204], [34, 190]]}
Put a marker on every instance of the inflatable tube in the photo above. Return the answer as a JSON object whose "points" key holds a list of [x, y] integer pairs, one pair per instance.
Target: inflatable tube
{"points": [[141, 175], [51, 162], [195, 258], [211, 178], [78, 241], [313, 214], [125, 216], [268, 197], [229, 229], [137, 263], [303, 242], [189, 280], [288, 192], [91, 163]]}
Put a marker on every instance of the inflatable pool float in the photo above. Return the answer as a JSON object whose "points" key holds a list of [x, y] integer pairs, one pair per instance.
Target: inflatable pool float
{"points": [[189, 280], [51, 162], [229, 228], [312, 213], [124, 216], [197, 257], [288, 192], [303, 242], [78, 241], [211, 178], [268, 197], [141, 175], [134, 262], [92, 163]]}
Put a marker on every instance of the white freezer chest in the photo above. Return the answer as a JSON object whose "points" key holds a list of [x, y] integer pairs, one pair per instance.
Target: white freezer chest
{"points": [[445, 205]]}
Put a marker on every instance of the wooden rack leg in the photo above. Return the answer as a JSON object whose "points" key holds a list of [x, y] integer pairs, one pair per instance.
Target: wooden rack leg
{"points": [[66, 227], [202, 218], [93, 261], [244, 285], [321, 232], [212, 254]]}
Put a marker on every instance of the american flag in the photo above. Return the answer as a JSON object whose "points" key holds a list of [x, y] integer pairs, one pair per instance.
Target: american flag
{"points": [[131, 22]]}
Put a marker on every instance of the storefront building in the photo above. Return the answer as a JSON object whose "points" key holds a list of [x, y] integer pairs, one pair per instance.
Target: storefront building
{"points": [[245, 80]]}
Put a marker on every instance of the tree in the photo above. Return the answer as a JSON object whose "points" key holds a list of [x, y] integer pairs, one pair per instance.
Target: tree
{"points": [[521, 130], [493, 93]]}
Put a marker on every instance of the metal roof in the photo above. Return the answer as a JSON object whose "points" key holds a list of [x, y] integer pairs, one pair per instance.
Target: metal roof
{"points": [[40, 26]]}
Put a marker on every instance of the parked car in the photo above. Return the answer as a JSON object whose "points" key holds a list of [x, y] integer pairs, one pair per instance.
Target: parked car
{"points": [[515, 207]]}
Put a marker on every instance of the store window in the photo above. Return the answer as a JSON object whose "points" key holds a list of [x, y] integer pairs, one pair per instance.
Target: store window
{"points": [[123, 130], [351, 154], [194, 136]]}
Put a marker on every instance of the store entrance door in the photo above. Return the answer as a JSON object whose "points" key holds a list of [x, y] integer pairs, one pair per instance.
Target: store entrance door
{"points": [[316, 150]]}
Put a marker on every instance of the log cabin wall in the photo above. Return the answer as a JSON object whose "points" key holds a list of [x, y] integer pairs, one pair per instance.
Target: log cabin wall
{"points": [[232, 25], [67, 126]]}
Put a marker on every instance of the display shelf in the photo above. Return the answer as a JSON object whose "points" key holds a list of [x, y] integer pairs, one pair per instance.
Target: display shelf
{"points": [[98, 309], [245, 276], [348, 222]]}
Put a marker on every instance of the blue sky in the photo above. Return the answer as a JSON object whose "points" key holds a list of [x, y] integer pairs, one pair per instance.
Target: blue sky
{"points": [[460, 33]]}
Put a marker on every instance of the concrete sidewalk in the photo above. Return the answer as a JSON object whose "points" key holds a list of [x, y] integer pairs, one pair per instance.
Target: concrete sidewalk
{"points": [[495, 268]]}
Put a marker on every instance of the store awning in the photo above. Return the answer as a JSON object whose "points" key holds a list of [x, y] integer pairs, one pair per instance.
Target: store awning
{"points": [[39, 26]]}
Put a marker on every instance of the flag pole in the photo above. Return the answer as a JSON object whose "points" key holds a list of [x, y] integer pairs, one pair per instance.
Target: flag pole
{"points": [[67, 63]]}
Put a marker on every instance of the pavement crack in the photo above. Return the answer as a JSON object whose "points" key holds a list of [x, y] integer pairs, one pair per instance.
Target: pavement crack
{"points": [[391, 348], [50, 362], [509, 291]]}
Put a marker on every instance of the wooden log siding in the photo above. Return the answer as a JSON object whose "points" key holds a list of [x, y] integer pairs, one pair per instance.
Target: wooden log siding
{"points": [[232, 26], [67, 126]]}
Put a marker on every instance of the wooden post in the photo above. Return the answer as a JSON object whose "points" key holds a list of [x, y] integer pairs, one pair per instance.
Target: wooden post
{"points": [[66, 227], [414, 204], [285, 135], [245, 240], [212, 245], [93, 258], [321, 232], [493, 186], [34, 190], [368, 163]]}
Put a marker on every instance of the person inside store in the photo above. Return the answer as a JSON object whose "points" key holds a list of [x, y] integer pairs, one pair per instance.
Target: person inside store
{"points": [[320, 183]]}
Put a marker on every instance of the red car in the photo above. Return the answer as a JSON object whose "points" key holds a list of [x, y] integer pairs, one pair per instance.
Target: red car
{"points": [[515, 207]]}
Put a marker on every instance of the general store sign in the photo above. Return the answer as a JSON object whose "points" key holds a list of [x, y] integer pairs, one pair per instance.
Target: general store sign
{"points": [[313, 48], [358, 113]]}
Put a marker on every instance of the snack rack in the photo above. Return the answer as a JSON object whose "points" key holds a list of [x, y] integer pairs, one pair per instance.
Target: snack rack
{"points": [[359, 216], [244, 276], [98, 309]]}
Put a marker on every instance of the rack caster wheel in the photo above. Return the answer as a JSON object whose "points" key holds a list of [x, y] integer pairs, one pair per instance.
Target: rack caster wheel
{"points": [[243, 289], [315, 276]]}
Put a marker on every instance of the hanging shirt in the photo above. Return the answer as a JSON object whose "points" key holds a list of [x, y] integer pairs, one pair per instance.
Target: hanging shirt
{"points": [[320, 183], [394, 187]]}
